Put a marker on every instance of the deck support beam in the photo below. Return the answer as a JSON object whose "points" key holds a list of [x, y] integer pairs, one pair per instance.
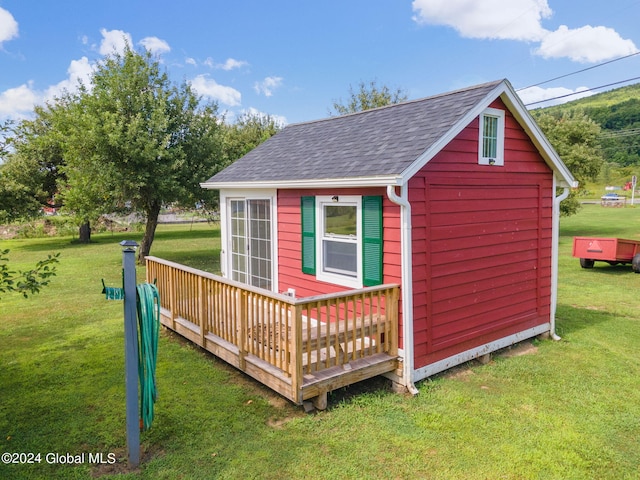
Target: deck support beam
{"points": [[320, 402]]}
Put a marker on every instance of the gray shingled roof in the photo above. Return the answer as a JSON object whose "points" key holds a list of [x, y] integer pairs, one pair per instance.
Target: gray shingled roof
{"points": [[379, 142]]}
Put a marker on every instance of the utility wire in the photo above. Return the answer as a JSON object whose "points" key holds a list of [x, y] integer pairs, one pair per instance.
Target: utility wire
{"points": [[582, 91], [620, 133], [579, 71]]}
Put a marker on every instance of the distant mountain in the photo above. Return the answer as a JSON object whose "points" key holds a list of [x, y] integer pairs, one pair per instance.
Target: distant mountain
{"points": [[618, 113]]}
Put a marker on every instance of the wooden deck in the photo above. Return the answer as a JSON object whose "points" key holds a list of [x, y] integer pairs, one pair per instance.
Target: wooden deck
{"points": [[302, 348]]}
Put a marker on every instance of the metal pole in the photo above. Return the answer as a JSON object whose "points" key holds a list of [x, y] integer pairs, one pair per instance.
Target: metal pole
{"points": [[131, 350]]}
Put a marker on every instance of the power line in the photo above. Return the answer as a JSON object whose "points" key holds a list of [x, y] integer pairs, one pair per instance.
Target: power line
{"points": [[582, 91], [580, 71], [620, 133]]}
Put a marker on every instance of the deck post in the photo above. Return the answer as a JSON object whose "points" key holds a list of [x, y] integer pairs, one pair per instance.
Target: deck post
{"points": [[296, 353], [172, 296], [243, 314], [202, 310], [392, 315]]}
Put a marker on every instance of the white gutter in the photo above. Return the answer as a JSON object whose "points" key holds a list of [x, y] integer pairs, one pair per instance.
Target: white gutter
{"points": [[407, 284], [347, 182], [555, 234]]}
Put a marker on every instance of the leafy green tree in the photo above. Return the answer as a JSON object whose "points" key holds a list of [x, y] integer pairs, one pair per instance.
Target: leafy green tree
{"points": [[368, 96], [32, 169], [26, 282], [5, 138], [133, 138], [246, 133], [576, 139]]}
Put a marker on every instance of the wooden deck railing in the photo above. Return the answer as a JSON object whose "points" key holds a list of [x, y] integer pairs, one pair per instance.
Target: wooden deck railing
{"points": [[299, 337]]}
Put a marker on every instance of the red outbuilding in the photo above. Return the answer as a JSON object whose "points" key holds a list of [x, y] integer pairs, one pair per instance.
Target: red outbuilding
{"points": [[453, 197]]}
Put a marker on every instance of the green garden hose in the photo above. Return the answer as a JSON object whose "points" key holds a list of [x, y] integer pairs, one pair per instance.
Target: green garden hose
{"points": [[148, 305]]}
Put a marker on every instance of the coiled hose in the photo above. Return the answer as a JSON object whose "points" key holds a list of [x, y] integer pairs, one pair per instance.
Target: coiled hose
{"points": [[148, 306]]}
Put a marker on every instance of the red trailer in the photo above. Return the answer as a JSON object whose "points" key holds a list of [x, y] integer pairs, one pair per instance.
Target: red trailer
{"points": [[614, 251]]}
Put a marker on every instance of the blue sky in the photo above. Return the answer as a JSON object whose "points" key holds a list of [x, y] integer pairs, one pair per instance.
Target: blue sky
{"points": [[293, 58]]}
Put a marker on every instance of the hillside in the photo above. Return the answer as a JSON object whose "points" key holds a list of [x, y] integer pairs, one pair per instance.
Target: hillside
{"points": [[618, 113]]}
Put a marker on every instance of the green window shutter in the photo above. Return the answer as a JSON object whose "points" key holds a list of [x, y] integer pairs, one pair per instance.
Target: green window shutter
{"points": [[371, 241], [308, 220]]}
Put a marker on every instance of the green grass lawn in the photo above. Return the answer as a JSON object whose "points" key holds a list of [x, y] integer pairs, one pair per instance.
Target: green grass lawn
{"points": [[565, 410]]}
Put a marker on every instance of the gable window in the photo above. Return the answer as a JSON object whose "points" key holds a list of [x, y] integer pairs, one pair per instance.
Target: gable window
{"points": [[342, 239], [491, 138]]}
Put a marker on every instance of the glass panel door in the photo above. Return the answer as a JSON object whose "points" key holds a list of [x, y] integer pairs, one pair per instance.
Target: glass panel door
{"points": [[251, 260], [239, 245]]}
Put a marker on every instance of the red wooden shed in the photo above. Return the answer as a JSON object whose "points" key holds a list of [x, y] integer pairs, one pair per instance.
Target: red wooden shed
{"points": [[453, 197]]}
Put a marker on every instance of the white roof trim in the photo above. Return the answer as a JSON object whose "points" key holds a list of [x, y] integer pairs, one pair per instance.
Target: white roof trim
{"points": [[309, 183], [517, 108]]}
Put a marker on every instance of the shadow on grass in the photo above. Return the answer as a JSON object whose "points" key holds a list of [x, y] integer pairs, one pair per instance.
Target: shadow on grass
{"points": [[571, 319], [603, 268], [598, 230], [47, 244], [205, 259], [187, 233]]}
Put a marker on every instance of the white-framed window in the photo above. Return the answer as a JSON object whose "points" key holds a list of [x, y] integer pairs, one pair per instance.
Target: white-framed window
{"points": [[342, 238], [491, 137], [339, 247]]}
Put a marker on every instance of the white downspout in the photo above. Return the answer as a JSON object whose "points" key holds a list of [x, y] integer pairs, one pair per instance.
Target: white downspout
{"points": [[555, 233], [407, 284]]}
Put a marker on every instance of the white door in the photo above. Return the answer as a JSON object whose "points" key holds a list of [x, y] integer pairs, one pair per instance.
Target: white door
{"points": [[251, 242]]}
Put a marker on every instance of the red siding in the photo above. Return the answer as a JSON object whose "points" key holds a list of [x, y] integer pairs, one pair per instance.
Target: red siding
{"points": [[481, 244], [289, 246], [481, 238]]}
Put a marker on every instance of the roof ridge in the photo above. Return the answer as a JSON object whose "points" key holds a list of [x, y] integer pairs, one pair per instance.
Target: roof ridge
{"points": [[408, 102]]}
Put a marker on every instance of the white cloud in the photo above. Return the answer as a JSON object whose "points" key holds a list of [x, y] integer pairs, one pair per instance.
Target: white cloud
{"points": [[585, 44], [8, 26], [268, 85], [232, 64], [79, 71], [18, 102], [504, 19], [521, 20], [114, 41], [280, 120], [537, 95], [190, 61], [155, 45], [208, 87], [229, 64]]}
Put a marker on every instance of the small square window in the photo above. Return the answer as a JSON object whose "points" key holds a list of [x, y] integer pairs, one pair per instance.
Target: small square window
{"points": [[491, 137]]}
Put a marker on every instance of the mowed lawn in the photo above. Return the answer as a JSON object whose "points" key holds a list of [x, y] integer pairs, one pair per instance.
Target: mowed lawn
{"points": [[544, 410]]}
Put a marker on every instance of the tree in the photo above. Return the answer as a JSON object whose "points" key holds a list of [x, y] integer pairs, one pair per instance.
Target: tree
{"points": [[575, 137], [5, 138], [245, 134], [367, 97], [16, 199], [32, 170], [133, 138], [26, 281]]}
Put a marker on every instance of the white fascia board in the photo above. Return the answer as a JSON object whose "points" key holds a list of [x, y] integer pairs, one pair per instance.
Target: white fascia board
{"points": [[453, 132], [551, 157], [522, 115], [381, 181]]}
